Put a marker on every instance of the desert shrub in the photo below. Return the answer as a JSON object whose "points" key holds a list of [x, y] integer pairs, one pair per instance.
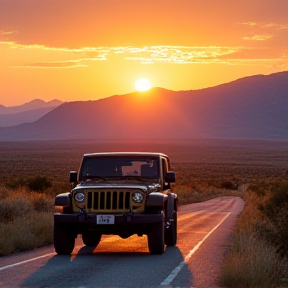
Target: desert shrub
{"points": [[42, 203], [14, 206], [57, 188], [26, 220], [278, 199], [228, 185], [259, 189], [251, 262], [15, 183], [188, 194], [276, 210], [38, 183], [31, 231]]}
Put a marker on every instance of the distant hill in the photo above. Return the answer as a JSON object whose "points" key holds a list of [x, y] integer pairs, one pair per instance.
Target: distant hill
{"points": [[26, 113], [251, 107]]}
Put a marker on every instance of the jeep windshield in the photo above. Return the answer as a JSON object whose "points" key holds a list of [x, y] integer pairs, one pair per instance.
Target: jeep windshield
{"points": [[106, 168]]}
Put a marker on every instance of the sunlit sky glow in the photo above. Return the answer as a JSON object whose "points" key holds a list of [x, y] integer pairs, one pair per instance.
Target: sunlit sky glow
{"points": [[86, 50]]}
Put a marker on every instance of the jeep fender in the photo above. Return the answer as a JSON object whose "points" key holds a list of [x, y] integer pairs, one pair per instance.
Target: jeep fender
{"points": [[171, 205], [156, 199], [63, 199]]}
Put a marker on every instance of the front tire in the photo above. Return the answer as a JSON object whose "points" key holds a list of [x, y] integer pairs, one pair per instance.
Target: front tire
{"points": [[91, 238], [156, 243], [64, 239], [171, 231]]}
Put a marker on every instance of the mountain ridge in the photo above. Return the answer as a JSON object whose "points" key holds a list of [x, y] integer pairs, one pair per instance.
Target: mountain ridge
{"points": [[251, 107], [31, 105], [26, 113]]}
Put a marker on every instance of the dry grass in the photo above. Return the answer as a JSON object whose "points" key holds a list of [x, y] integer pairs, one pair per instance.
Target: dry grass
{"points": [[252, 260], [252, 263], [26, 220], [197, 193], [203, 169]]}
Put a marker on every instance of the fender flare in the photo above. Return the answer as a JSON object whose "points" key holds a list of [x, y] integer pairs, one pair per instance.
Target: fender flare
{"points": [[63, 199], [171, 205], [156, 199]]}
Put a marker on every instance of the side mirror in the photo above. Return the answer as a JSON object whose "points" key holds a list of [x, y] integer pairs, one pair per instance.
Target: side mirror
{"points": [[73, 175], [170, 177]]}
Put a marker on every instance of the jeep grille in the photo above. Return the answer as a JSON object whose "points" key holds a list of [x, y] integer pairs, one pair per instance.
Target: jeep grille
{"points": [[109, 201]]}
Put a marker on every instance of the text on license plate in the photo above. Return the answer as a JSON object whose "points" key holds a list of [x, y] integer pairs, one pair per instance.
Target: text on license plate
{"points": [[105, 219]]}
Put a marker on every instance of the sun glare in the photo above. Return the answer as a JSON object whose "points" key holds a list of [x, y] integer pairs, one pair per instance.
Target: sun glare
{"points": [[142, 85]]}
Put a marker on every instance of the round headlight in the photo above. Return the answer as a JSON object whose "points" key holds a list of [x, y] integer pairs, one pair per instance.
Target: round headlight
{"points": [[79, 197], [137, 197]]}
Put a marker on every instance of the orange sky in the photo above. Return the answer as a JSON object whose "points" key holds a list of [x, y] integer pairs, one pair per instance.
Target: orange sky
{"points": [[90, 49]]}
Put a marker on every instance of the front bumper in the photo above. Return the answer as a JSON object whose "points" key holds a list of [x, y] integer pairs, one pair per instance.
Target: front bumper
{"points": [[126, 218]]}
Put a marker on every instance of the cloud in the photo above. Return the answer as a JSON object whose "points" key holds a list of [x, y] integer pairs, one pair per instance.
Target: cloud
{"points": [[49, 65], [249, 23], [64, 58], [259, 37], [7, 33], [60, 64], [269, 63], [180, 54], [277, 26]]}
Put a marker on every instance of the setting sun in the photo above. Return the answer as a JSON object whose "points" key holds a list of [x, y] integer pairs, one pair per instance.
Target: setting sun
{"points": [[142, 85]]}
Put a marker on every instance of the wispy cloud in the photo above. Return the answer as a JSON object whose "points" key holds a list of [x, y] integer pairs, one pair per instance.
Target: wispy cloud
{"points": [[54, 64], [179, 54], [60, 64], [278, 63], [64, 58], [144, 54], [249, 23], [277, 26], [7, 33], [259, 37]]}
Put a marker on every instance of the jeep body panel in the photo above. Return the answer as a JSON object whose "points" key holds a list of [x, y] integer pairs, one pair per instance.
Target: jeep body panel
{"points": [[129, 189]]}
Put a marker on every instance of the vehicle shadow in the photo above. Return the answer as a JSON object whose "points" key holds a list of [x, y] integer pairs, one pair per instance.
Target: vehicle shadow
{"points": [[89, 268]]}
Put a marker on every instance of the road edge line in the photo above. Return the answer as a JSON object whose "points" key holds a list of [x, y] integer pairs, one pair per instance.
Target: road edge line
{"points": [[26, 261], [176, 270]]}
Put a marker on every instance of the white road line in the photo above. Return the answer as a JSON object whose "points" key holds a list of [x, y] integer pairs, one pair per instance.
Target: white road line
{"points": [[176, 271], [36, 258], [26, 261], [33, 259]]}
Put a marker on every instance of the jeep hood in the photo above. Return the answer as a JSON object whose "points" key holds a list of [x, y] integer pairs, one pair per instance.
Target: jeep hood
{"points": [[93, 185]]}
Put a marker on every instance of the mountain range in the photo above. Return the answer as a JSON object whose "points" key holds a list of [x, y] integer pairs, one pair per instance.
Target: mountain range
{"points": [[27, 113], [254, 107]]}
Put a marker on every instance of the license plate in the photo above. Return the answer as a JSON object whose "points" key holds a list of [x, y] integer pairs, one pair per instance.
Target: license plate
{"points": [[105, 219]]}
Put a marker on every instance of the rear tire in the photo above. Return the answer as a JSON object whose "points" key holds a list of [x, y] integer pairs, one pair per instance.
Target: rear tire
{"points": [[171, 231], [64, 239], [91, 238], [156, 243]]}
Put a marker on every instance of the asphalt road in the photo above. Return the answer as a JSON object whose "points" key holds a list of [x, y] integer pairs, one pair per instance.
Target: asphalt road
{"points": [[203, 231]]}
